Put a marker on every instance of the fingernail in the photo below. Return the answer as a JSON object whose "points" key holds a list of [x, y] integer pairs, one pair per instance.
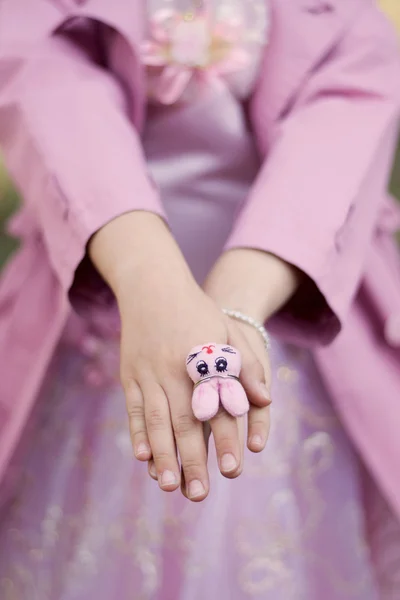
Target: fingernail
{"points": [[265, 392], [196, 489], [257, 441], [153, 471], [228, 463], [168, 478], [142, 449]]}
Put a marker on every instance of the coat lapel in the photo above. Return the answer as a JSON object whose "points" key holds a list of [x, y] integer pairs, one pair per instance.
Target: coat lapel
{"points": [[302, 34], [24, 21], [126, 20], [127, 16], [127, 24]]}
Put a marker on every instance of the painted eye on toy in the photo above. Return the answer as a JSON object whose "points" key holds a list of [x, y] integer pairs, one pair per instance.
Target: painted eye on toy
{"points": [[221, 364], [202, 368], [229, 350]]}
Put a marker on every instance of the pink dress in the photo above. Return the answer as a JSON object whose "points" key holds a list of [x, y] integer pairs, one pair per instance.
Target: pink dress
{"points": [[83, 520]]}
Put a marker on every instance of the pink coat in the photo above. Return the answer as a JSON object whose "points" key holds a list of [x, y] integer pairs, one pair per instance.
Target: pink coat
{"points": [[325, 116]]}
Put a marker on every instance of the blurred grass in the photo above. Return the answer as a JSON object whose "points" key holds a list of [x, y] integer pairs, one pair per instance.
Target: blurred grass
{"points": [[9, 201], [392, 9], [395, 182]]}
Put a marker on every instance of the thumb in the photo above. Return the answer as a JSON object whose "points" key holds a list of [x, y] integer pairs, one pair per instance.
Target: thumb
{"points": [[255, 375]]}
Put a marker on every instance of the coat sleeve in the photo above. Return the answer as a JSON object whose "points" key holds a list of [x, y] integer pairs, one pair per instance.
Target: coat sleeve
{"points": [[317, 197], [69, 145]]}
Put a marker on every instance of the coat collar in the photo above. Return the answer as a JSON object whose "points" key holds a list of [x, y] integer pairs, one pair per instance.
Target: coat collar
{"points": [[127, 17], [22, 22], [302, 34]]}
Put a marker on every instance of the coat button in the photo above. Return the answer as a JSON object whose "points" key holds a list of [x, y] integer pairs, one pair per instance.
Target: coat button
{"points": [[392, 330]]}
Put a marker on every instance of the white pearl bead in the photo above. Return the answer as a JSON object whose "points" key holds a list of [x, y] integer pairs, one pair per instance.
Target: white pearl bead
{"points": [[235, 314]]}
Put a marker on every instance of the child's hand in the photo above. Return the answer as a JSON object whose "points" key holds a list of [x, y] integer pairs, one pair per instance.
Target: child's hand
{"points": [[257, 284], [160, 325], [164, 314], [258, 421]]}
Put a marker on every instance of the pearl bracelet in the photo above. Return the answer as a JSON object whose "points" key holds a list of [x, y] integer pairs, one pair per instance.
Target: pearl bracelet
{"points": [[236, 314]]}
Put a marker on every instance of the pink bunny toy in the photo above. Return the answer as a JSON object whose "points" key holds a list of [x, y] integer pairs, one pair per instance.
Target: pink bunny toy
{"points": [[215, 369]]}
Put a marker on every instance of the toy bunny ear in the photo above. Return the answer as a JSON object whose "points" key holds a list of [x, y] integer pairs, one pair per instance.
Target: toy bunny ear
{"points": [[205, 400], [233, 397]]}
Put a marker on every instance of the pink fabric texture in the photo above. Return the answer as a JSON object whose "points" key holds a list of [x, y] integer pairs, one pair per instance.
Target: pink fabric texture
{"points": [[79, 518], [304, 521], [213, 369], [329, 84]]}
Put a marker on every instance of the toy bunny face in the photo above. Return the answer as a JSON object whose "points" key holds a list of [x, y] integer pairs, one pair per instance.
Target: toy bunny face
{"points": [[212, 360], [217, 365]]}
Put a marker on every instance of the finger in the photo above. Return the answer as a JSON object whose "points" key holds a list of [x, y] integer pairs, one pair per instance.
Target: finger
{"points": [[189, 438], [254, 375], [226, 436], [241, 425], [206, 435], [159, 429], [152, 470], [258, 428], [137, 423]]}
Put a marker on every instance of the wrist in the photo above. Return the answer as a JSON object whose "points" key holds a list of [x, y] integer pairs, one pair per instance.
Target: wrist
{"points": [[253, 282], [137, 250]]}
